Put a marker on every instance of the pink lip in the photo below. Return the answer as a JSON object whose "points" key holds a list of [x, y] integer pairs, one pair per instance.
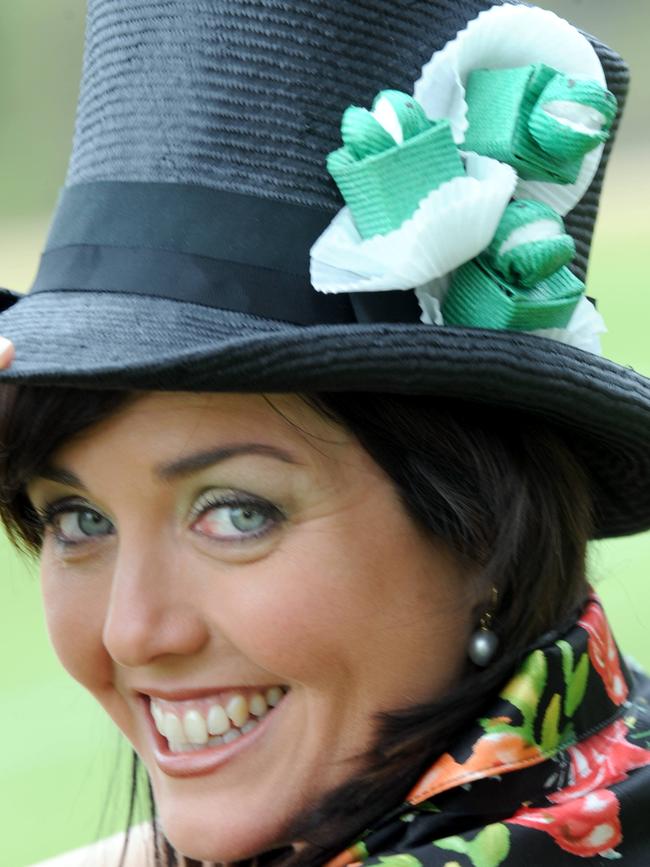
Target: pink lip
{"points": [[201, 762], [190, 694]]}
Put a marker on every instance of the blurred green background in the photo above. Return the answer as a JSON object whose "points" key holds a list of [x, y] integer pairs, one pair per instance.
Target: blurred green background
{"points": [[63, 770]]}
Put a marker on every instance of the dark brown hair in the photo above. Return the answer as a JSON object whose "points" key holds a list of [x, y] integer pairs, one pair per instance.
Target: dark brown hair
{"points": [[503, 491]]}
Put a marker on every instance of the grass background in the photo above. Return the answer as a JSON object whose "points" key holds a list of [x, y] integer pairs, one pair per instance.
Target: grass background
{"points": [[63, 768]]}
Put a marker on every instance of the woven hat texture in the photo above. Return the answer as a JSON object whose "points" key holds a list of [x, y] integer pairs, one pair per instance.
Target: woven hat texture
{"points": [[247, 96], [242, 99]]}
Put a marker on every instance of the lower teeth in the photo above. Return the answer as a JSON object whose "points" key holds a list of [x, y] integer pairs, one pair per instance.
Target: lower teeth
{"points": [[216, 740], [184, 748]]}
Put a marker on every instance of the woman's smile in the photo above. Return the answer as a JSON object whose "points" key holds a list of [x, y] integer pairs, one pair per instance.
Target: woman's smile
{"points": [[198, 722], [194, 736], [232, 578]]}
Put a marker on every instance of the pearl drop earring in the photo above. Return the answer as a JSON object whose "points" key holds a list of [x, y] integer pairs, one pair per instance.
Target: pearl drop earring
{"points": [[483, 643]]}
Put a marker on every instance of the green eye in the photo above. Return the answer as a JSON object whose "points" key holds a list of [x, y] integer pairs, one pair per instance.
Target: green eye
{"points": [[74, 525], [93, 524], [234, 516], [246, 519]]}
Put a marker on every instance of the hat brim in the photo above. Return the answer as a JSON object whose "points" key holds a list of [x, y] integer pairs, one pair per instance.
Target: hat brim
{"points": [[122, 341]]}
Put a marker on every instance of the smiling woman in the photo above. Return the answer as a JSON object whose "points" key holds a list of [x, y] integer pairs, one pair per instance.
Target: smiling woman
{"points": [[312, 491], [185, 558], [267, 620]]}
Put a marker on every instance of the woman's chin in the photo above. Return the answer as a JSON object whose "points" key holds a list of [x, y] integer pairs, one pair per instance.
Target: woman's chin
{"points": [[223, 839], [231, 801]]}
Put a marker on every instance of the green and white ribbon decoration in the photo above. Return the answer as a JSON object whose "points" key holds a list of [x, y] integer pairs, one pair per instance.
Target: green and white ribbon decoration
{"points": [[391, 159], [537, 120], [523, 93], [521, 281], [530, 243], [572, 116], [509, 37]]}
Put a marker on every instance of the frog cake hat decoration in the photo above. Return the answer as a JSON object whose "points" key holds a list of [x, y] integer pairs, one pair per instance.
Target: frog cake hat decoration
{"points": [[428, 192]]}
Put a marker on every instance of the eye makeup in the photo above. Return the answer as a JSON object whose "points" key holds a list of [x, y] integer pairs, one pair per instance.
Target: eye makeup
{"points": [[234, 516], [74, 522]]}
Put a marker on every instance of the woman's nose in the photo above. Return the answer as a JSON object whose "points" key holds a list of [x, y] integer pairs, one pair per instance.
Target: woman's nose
{"points": [[151, 611]]}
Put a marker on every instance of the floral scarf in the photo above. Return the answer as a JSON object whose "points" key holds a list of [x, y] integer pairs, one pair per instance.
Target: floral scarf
{"points": [[556, 773]]}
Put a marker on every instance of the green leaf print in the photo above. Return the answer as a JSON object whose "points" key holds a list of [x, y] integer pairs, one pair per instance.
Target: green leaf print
{"points": [[525, 689], [550, 726], [575, 677], [400, 861], [524, 692], [489, 848]]}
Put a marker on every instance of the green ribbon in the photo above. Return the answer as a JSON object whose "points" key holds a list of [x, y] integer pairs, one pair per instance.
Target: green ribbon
{"points": [[514, 115], [384, 177], [362, 134], [521, 281], [572, 116], [530, 243], [480, 297], [406, 111]]}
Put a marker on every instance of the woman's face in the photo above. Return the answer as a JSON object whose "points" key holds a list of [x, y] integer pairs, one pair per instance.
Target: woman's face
{"points": [[222, 563]]}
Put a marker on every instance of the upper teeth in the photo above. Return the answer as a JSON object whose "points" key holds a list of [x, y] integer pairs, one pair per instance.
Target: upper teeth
{"points": [[189, 725]]}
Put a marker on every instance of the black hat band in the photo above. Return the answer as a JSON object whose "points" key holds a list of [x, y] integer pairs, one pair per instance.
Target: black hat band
{"points": [[189, 243]]}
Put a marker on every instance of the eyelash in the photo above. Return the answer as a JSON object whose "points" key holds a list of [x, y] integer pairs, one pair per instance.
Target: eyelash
{"points": [[52, 511], [205, 503], [212, 501]]}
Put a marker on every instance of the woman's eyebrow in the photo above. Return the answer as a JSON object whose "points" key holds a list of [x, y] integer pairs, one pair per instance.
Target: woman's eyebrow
{"points": [[59, 475], [200, 460]]}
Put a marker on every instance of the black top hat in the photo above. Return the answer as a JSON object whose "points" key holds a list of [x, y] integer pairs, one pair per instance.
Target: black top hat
{"points": [[179, 254]]}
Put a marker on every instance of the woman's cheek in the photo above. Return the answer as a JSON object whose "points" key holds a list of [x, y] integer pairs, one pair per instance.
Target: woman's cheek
{"points": [[74, 617], [292, 619]]}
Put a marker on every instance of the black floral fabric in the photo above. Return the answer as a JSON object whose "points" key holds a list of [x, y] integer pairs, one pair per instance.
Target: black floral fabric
{"points": [[556, 774]]}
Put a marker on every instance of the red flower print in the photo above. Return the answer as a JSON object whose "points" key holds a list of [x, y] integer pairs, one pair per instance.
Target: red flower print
{"points": [[602, 760], [584, 826], [603, 652]]}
